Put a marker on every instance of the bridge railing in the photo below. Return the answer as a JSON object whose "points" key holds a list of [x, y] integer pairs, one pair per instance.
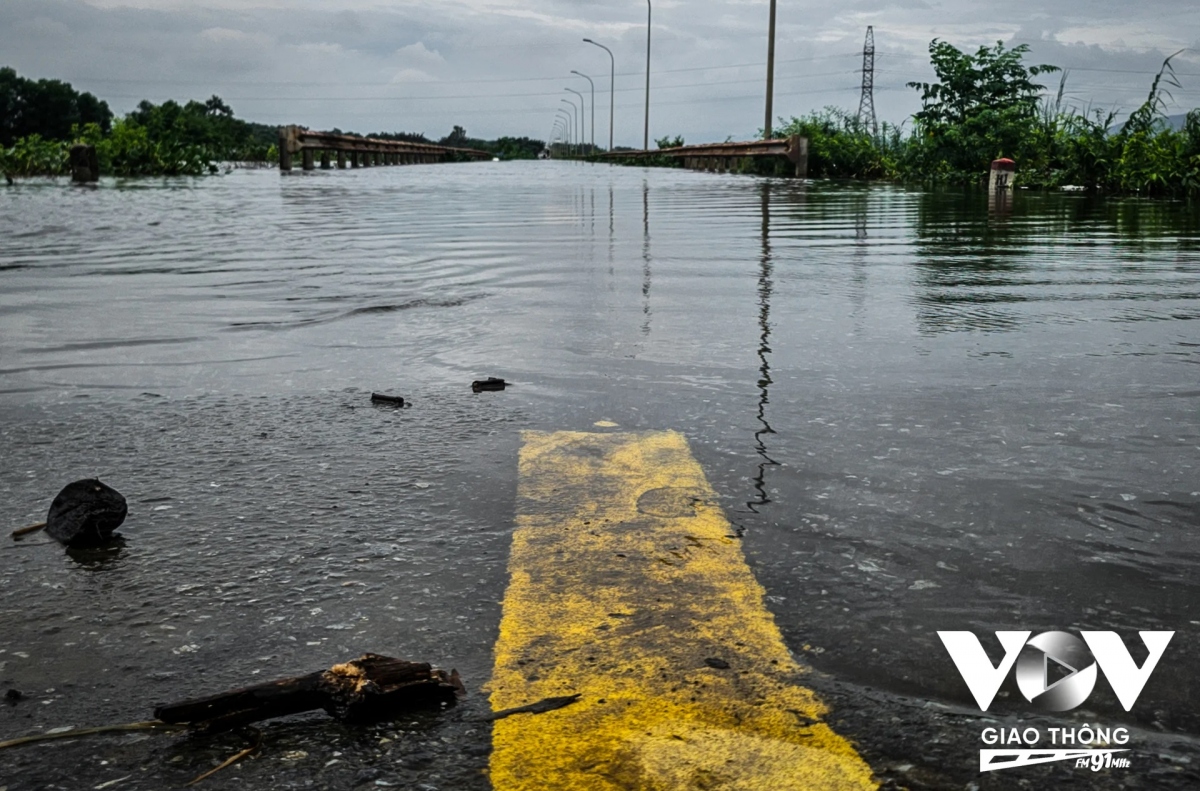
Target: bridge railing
{"points": [[725, 156], [361, 151]]}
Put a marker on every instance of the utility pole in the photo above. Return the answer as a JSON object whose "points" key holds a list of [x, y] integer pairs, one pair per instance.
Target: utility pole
{"points": [[770, 72], [646, 133], [866, 104]]}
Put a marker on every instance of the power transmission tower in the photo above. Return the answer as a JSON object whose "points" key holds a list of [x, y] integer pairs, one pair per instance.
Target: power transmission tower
{"points": [[866, 105]]}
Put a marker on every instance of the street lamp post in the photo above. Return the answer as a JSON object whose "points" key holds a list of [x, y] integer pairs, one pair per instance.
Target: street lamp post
{"points": [[578, 127], [770, 72], [567, 138], [646, 132], [582, 112], [567, 129], [589, 79], [556, 133], [612, 88], [570, 129]]}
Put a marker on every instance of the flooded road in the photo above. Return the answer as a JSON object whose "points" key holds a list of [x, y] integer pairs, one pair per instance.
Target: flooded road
{"points": [[920, 413]]}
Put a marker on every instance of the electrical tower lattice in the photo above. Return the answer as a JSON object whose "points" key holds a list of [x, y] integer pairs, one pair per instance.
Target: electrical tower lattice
{"points": [[866, 105]]}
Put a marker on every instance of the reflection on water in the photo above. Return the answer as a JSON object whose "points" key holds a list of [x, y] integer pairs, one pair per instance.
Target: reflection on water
{"points": [[98, 558], [980, 271], [926, 413], [646, 257], [764, 349]]}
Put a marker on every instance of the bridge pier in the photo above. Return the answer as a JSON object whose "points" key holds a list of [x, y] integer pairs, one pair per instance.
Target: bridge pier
{"points": [[285, 151], [306, 157], [324, 160], [341, 160]]}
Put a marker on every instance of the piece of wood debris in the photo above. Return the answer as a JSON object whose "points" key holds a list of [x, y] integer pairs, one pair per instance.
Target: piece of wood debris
{"points": [[370, 688]]}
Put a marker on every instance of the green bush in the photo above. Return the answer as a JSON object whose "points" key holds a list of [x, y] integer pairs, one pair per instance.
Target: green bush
{"points": [[983, 106], [33, 156], [839, 146]]}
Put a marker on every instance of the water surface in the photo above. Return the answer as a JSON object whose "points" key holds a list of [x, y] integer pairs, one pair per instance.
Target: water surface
{"points": [[923, 412]]}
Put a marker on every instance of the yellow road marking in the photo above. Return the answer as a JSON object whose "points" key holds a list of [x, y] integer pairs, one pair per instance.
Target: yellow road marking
{"points": [[625, 579]]}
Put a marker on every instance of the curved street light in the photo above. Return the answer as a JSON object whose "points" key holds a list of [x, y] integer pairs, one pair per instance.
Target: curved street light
{"points": [[565, 117], [612, 88], [570, 129], [582, 112], [646, 133], [555, 134], [577, 126], [589, 79], [564, 135]]}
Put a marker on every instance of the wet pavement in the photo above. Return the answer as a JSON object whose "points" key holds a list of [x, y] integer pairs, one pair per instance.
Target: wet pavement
{"points": [[919, 413]]}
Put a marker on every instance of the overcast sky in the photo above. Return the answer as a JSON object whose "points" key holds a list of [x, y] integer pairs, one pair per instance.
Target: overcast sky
{"points": [[499, 67]]}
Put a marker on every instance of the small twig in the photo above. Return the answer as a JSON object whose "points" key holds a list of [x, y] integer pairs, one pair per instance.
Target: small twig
{"points": [[547, 704], [24, 531], [71, 734], [252, 748]]}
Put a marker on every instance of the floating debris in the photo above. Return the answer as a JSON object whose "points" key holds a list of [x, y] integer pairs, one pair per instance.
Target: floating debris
{"points": [[85, 513], [491, 383], [384, 398], [369, 688]]}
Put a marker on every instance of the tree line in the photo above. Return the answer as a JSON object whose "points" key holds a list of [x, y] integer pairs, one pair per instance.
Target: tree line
{"points": [[41, 119]]}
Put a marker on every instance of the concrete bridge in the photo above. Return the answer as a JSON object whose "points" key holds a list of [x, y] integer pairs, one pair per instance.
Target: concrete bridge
{"points": [[728, 156], [362, 151]]}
